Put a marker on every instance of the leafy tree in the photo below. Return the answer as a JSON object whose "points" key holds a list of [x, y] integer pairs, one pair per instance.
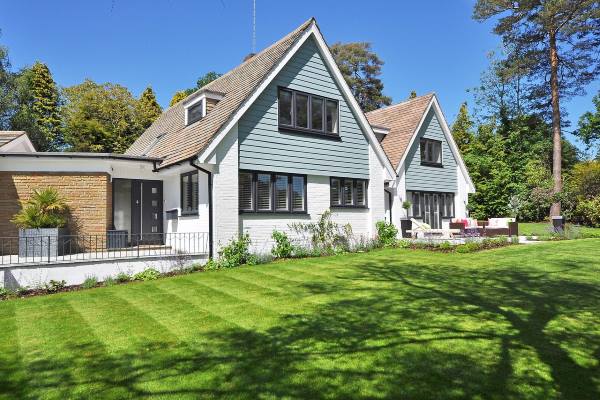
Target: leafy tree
{"points": [[412, 95], [6, 89], [555, 39], [361, 68], [38, 110], [100, 117], [200, 83], [148, 108], [589, 125], [462, 129]]}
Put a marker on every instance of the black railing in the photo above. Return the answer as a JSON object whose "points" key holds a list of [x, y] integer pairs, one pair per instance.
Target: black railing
{"points": [[112, 245]]}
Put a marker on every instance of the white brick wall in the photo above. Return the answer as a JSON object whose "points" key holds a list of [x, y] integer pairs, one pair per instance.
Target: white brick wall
{"points": [[376, 191], [225, 191], [261, 226]]}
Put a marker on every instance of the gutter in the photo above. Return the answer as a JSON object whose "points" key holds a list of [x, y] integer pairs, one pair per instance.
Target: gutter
{"points": [[210, 206]]}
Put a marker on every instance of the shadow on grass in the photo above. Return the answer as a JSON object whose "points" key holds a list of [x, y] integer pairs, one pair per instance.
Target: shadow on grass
{"points": [[411, 331]]}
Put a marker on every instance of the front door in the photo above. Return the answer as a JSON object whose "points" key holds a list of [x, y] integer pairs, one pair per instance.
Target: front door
{"points": [[146, 211]]}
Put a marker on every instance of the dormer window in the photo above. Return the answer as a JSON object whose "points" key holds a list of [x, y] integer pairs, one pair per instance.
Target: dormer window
{"points": [[195, 112]]}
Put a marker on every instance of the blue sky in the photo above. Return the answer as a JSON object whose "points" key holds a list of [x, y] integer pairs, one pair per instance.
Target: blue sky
{"points": [[426, 45]]}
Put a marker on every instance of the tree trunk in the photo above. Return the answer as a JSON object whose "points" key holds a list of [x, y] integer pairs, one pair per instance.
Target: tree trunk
{"points": [[556, 137]]}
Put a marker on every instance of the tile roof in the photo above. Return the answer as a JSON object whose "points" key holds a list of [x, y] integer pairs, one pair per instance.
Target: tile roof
{"points": [[402, 120], [182, 142], [9, 136]]}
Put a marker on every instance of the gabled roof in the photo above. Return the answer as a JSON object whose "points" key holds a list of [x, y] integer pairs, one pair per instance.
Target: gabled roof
{"points": [[9, 136], [181, 142], [402, 120]]}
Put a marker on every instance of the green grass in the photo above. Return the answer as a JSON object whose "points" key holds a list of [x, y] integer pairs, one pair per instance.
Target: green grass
{"points": [[544, 229], [518, 322]]}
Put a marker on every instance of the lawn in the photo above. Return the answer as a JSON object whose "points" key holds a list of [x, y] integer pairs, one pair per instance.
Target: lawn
{"points": [[545, 228], [517, 322]]}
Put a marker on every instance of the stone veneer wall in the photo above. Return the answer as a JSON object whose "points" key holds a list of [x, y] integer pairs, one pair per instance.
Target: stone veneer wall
{"points": [[89, 196]]}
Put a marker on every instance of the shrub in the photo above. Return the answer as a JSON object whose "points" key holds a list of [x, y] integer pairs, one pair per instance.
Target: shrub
{"points": [[467, 247], [3, 293], [123, 277], [211, 265], [45, 209], [55, 286], [89, 282], [283, 247], [445, 246], [587, 211], [237, 253], [324, 233], [109, 281], [386, 233], [403, 243], [149, 274]]}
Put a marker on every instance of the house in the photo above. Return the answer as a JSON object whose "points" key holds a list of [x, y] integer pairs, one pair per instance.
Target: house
{"points": [[277, 140], [430, 172], [15, 141]]}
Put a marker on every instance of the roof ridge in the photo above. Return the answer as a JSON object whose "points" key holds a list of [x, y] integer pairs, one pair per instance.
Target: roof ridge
{"points": [[431, 94], [303, 26]]}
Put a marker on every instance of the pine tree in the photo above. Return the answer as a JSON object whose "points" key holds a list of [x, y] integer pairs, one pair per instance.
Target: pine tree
{"points": [[39, 108], [148, 108], [462, 129]]}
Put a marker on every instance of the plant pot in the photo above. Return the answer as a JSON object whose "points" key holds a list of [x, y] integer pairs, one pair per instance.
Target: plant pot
{"points": [[405, 225], [42, 242]]}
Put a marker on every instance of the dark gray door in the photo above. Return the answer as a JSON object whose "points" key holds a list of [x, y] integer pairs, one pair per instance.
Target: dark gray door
{"points": [[146, 211]]}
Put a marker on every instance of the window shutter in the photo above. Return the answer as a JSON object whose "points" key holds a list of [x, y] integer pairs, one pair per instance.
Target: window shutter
{"points": [[194, 193], [361, 193], [263, 192], [298, 193], [336, 199], [347, 192], [281, 193], [245, 191]]}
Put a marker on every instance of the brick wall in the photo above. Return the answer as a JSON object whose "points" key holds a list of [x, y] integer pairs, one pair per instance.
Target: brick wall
{"points": [[89, 196]]}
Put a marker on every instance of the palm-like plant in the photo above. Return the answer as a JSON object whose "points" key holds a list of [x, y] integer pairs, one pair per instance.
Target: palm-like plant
{"points": [[45, 209]]}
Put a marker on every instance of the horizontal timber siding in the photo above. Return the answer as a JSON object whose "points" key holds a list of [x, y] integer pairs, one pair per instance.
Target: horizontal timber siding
{"points": [[264, 147], [427, 178]]}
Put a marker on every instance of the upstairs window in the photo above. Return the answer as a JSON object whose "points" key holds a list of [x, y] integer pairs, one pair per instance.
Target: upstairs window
{"points": [[195, 112], [431, 152], [272, 192], [189, 193], [348, 192], [307, 112]]}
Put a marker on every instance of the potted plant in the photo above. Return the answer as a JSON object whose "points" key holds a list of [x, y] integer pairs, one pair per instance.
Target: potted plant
{"points": [[42, 224], [405, 222]]}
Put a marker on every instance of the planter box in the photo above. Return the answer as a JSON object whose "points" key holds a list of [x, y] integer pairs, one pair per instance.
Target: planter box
{"points": [[42, 242], [405, 225]]}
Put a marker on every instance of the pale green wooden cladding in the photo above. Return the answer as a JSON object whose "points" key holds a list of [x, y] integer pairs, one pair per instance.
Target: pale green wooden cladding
{"points": [[429, 178], [264, 147]]}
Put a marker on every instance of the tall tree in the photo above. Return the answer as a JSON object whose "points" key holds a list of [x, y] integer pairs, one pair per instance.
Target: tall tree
{"points": [[200, 83], [38, 110], [6, 89], [361, 68], [462, 129], [148, 108], [100, 117], [589, 126], [412, 95], [553, 38]]}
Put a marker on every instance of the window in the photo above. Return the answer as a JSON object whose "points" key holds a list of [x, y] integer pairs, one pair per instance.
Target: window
{"points": [[442, 203], [271, 192], [431, 152], [347, 192], [189, 193], [305, 112], [285, 107], [194, 112]]}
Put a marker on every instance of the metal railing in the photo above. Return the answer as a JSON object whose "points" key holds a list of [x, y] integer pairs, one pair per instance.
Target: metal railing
{"points": [[48, 249]]}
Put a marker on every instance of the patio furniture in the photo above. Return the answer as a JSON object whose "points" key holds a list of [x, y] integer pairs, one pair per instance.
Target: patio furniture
{"points": [[426, 231], [501, 227]]}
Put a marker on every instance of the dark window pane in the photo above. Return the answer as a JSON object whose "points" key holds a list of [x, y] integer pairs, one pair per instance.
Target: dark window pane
{"points": [[347, 192], [194, 190], [189, 193], [285, 107], [263, 192], [336, 199], [185, 193], [361, 193], [245, 191], [298, 193], [195, 112], [316, 113], [416, 204], [281, 193], [301, 110], [331, 114]]}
